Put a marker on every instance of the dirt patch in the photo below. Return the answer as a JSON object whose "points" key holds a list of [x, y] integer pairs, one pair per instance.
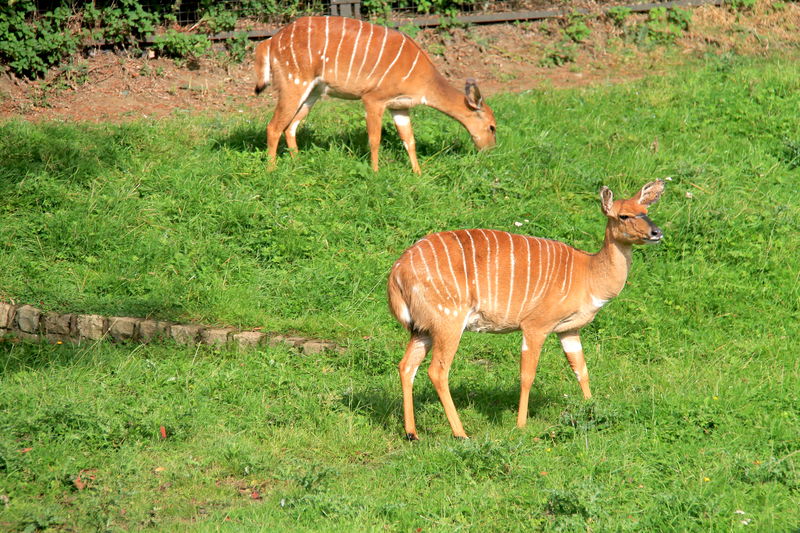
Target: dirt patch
{"points": [[114, 86]]}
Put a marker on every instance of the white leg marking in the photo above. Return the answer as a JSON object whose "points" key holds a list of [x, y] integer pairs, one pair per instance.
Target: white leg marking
{"points": [[571, 344], [401, 119], [524, 344]]}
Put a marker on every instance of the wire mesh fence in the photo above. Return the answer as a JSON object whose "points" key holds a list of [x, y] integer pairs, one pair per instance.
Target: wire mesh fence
{"points": [[190, 12]]}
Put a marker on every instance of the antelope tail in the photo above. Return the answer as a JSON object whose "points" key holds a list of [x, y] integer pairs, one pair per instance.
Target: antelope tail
{"points": [[397, 302], [262, 66]]}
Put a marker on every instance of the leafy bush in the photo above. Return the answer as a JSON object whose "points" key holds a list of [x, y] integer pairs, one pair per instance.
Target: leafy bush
{"points": [[31, 46], [181, 45]]}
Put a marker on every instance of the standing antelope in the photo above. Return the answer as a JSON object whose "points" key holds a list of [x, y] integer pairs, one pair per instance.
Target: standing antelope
{"points": [[493, 281], [352, 59]]}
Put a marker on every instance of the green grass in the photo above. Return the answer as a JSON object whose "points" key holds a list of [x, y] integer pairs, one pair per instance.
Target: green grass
{"points": [[696, 410]]}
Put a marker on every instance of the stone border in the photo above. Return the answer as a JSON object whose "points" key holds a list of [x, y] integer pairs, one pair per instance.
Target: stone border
{"points": [[29, 323]]}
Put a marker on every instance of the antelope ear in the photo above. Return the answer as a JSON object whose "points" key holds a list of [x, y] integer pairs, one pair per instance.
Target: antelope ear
{"points": [[473, 94], [650, 193], [606, 200]]}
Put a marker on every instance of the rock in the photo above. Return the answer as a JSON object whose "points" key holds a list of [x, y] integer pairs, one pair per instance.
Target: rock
{"points": [[122, 328], [187, 334], [28, 319], [91, 327]]}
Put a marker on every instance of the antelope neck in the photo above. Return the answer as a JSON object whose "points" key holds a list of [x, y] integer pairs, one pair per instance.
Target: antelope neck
{"points": [[443, 97], [608, 268]]}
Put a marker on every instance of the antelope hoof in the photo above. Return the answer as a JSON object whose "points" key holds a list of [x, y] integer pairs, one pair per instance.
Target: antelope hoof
{"points": [[412, 437], [461, 437]]}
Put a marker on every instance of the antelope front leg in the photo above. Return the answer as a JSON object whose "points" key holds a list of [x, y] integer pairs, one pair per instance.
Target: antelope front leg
{"points": [[531, 349], [571, 343], [417, 349], [402, 121], [375, 111]]}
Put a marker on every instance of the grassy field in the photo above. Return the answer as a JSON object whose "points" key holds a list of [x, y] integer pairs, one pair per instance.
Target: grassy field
{"points": [[695, 424]]}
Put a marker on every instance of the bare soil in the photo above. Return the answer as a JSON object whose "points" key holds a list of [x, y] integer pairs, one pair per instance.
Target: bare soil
{"points": [[116, 86]]}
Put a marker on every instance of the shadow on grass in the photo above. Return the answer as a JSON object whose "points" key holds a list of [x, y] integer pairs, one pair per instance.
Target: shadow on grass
{"points": [[385, 408], [252, 138]]}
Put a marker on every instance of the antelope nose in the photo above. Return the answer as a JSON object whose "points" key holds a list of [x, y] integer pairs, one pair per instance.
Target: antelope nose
{"points": [[656, 233]]}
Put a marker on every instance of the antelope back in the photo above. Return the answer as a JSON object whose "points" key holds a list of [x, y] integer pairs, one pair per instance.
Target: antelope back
{"points": [[485, 280], [350, 55]]}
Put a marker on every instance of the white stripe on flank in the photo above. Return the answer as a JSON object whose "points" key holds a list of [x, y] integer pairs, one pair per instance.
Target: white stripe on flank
{"points": [[380, 55], [325, 47], [291, 47], [513, 273], [496, 271], [476, 278], [439, 271], [308, 43], [391, 65], [367, 50], [488, 271], [450, 264], [429, 277], [527, 279], [414, 64], [338, 49], [571, 344], [544, 265], [464, 265], [567, 285], [353, 55]]}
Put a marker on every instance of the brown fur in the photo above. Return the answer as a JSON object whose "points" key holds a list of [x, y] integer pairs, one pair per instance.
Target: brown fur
{"points": [[494, 281], [352, 59]]}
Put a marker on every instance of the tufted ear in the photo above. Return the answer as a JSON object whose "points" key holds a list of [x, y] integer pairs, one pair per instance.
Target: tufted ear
{"points": [[606, 200], [473, 95], [650, 193]]}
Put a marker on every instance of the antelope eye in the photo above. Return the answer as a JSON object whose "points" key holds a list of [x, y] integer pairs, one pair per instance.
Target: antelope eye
{"points": [[624, 217]]}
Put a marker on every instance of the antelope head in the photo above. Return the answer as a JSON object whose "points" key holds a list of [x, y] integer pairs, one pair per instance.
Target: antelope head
{"points": [[481, 123], [627, 219]]}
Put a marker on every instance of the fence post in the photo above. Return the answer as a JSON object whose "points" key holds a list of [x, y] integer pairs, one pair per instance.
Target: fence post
{"points": [[345, 8]]}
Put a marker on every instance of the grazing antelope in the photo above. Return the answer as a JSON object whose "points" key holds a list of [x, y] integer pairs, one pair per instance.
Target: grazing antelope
{"points": [[352, 59], [493, 281]]}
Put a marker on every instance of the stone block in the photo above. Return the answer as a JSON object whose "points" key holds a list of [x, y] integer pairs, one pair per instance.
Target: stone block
{"points": [[315, 347], [248, 339], [215, 336], [6, 315], [185, 333], [152, 330], [122, 328], [28, 318], [58, 324], [91, 327], [295, 341]]}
